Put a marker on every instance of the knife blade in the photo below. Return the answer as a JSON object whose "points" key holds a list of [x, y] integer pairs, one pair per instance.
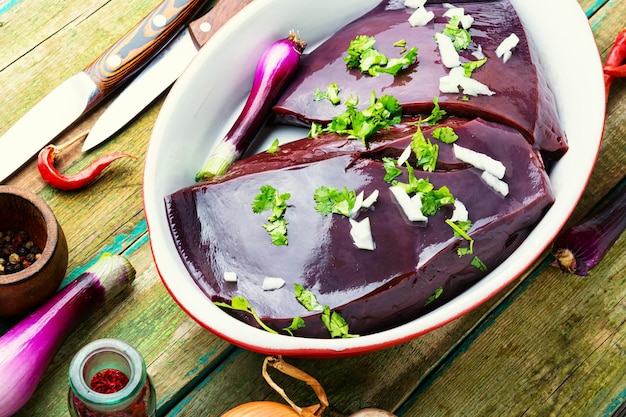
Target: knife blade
{"points": [[162, 71], [82, 91]]}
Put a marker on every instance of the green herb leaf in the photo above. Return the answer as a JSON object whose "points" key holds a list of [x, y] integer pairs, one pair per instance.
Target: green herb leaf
{"points": [[307, 298], [264, 200], [436, 113], [400, 44], [331, 94], [382, 113], [241, 304], [332, 200], [461, 38], [336, 325], [433, 200], [391, 169], [477, 263], [425, 151], [297, 323], [316, 130], [274, 147], [435, 295], [467, 250], [461, 229], [357, 47], [395, 65], [445, 134], [270, 200], [415, 185], [277, 229], [472, 66], [363, 55]]}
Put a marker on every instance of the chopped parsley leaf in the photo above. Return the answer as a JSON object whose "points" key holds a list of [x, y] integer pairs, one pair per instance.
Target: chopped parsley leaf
{"points": [[336, 325], [331, 94], [436, 113], [363, 55], [297, 323], [461, 37], [415, 185], [460, 229], [400, 44], [382, 112], [435, 295], [471, 66], [391, 169], [357, 47], [274, 147], [270, 200], [395, 65], [433, 200], [445, 134], [477, 263], [277, 229], [316, 130], [332, 200], [239, 303], [425, 151], [307, 298]]}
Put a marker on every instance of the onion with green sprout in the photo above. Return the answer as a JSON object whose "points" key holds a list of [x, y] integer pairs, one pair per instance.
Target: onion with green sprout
{"points": [[276, 66]]}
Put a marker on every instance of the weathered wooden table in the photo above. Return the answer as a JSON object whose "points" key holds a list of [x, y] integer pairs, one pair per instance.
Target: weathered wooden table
{"points": [[550, 345]]}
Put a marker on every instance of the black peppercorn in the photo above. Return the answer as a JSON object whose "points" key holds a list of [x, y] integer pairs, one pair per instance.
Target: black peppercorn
{"points": [[17, 251]]}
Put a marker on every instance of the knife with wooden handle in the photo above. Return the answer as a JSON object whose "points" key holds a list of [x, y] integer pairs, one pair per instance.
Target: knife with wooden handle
{"points": [[162, 71], [81, 92]]}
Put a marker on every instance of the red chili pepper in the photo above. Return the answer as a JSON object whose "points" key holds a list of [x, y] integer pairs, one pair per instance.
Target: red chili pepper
{"points": [[45, 163], [613, 64], [616, 72]]}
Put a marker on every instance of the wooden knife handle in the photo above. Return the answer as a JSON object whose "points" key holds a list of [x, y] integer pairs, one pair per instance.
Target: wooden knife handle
{"points": [[203, 28], [135, 49]]}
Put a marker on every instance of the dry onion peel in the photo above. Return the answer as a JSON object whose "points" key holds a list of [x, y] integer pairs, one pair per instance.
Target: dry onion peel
{"points": [[274, 409]]}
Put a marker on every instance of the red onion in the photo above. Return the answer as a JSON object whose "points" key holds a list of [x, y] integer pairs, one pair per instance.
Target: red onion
{"points": [[581, 247], [276, 66], [28, 348]]}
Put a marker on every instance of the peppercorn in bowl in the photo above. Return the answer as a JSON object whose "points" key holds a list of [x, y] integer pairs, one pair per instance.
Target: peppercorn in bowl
{"points": [[33, 251]]}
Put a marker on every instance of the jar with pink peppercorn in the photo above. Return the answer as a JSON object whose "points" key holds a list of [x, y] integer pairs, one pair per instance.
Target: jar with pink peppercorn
{"points": [[108, 378]]}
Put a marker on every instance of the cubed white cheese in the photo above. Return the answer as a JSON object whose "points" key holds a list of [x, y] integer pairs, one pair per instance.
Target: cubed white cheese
{"points": [[467, 21], [358, 203], [370, 200], [479, 160], [478, 53], [406, 153], [506, 46], [272, 283], [459, 214], [454, 11], [414, 4], [230, 276], [449, 55], [361, 233], [421, 17], [456, 78], [474, 87], [495, 183], [410, 209]]}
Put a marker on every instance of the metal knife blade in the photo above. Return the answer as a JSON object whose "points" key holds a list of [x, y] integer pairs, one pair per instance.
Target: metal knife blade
{"points": [[81, 92], [162, 71]]}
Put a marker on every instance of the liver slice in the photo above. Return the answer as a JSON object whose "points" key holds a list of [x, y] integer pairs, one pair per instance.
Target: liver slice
{"points": [[216, 231]]}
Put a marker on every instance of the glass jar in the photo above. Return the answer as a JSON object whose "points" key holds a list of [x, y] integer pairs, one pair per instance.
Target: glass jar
{"points": [[135, 399]]}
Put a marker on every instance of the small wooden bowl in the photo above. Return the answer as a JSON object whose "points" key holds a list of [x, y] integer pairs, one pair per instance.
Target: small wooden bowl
{"points": [[21, 292]]}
